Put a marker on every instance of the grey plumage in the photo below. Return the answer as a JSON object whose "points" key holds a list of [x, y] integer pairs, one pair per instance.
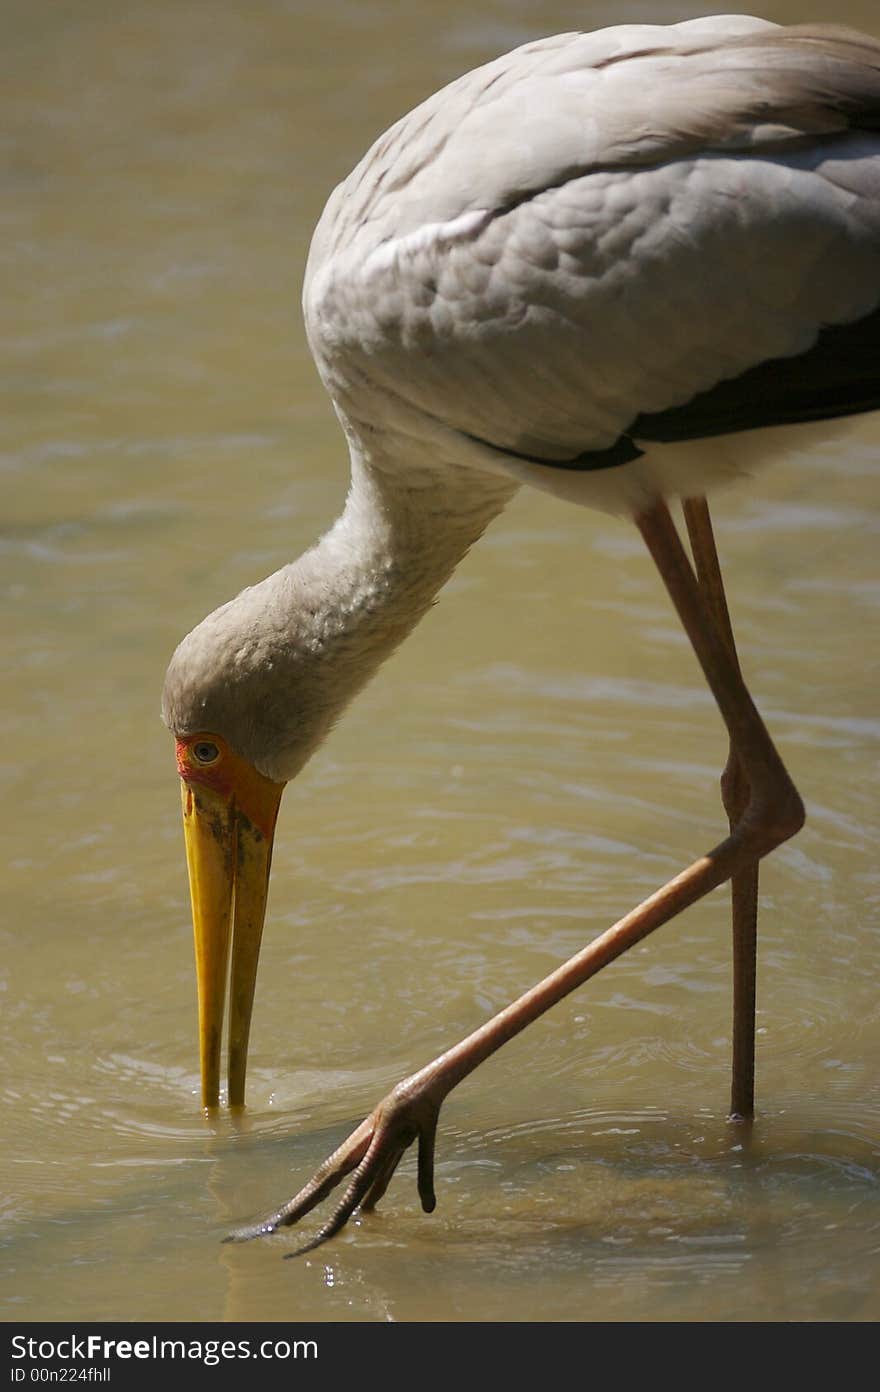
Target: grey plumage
{"points": [[706, 190]]}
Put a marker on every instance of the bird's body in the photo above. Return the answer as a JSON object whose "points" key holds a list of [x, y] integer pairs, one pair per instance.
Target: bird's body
{"points": [[590, 232], [621, 267]]}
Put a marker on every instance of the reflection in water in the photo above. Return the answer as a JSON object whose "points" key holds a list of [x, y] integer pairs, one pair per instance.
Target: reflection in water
{"points": [[538, 757]]}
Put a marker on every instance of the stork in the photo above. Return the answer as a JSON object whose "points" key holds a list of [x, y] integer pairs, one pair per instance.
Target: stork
{"points": [[625, 267]]}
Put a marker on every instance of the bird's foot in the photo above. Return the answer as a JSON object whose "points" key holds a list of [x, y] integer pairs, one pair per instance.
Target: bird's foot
{"points": [[373, 1151]]}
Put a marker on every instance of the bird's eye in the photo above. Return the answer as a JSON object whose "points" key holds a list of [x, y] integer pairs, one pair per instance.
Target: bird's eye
{"points": [[205, 752]]}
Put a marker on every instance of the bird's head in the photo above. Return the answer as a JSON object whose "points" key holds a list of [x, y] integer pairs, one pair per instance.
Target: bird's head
{"points": [[245, 702]]}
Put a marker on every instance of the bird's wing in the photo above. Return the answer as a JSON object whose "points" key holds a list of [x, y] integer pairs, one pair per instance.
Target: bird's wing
{"points": [[600, 227]]}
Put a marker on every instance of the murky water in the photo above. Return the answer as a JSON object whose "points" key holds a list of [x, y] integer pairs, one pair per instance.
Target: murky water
{"points": [[539, 755]]}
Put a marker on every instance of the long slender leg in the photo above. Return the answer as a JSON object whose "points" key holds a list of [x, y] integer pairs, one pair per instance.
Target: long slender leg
{"points": [[735, 795], [774, 813]]}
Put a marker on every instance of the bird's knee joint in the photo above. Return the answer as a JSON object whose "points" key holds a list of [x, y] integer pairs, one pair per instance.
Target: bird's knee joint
{"points": [[735, 790], [772, 821], [790, 815]]}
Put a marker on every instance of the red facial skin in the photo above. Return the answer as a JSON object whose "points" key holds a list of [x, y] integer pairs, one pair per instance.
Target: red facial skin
{"points": [[232, 778]]}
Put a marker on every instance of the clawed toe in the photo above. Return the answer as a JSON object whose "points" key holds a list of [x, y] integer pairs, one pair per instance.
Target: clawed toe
{"points": [[372, 1152]]}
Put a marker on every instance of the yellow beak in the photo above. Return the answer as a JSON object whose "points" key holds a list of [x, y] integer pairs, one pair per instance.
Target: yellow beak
{"points": [[229, 814]]}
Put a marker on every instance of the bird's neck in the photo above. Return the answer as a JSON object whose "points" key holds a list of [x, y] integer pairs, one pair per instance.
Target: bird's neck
{"points": [[398, 540], [344, 606]]}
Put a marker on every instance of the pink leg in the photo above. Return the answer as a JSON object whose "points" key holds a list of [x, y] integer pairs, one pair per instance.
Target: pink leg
{"points": [[773, 813], [735, 796]]}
